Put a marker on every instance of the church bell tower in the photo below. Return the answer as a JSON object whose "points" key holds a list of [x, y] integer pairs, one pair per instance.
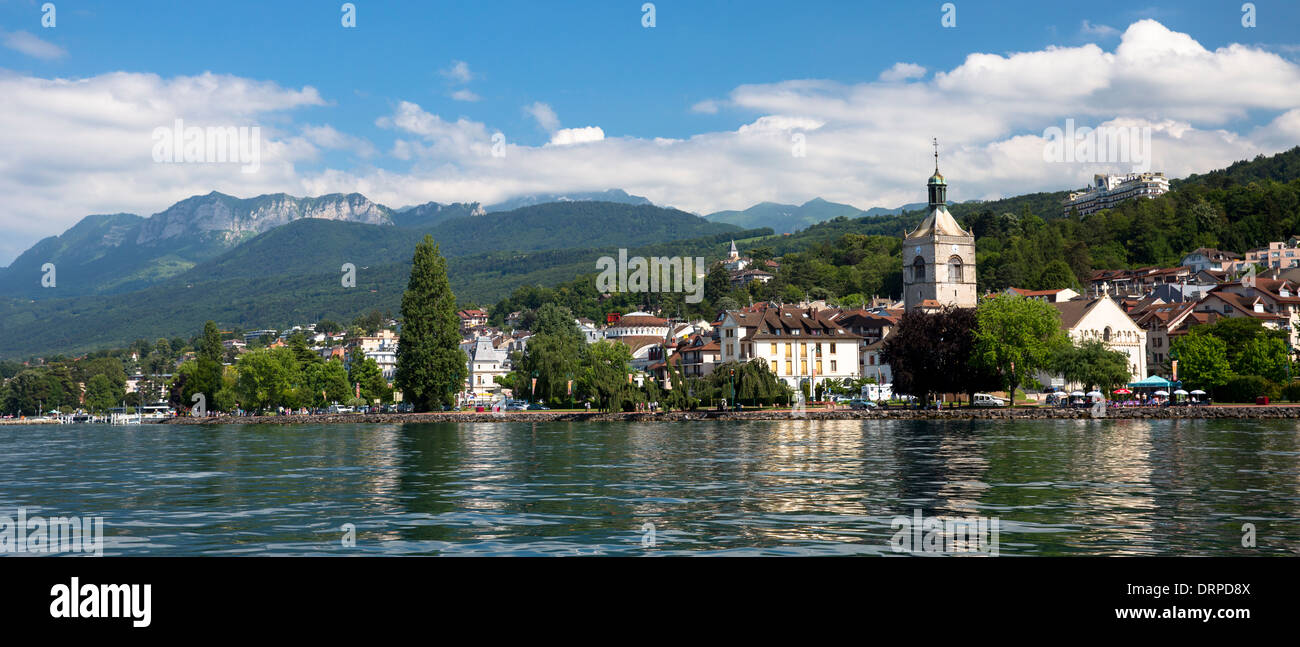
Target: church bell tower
{"points": [[938, 256]]}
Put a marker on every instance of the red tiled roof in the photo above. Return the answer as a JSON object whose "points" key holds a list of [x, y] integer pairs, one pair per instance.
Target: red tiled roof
{"points": [[635, 321]]}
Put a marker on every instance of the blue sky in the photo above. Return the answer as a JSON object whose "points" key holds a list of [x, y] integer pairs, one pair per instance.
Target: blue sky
{"points": [[399, 106]]}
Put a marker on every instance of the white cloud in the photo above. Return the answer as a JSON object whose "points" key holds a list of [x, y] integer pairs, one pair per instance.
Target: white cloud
{"points": [[458, 72], [326, 137], [465, 95], [902, 72], [567, 136], [73, 147], [26, 43], [544, 114], [708, 107], [1098, 30]]}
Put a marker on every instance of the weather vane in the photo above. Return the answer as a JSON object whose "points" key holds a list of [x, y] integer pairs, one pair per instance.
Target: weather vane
{"points": [[936, 154]]}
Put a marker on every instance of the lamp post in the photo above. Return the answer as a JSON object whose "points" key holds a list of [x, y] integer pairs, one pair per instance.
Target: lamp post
{"points": [[733, 387]]}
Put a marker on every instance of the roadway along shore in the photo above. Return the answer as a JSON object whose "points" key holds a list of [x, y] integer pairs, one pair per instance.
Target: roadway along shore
{"points": [[1135, 413]]}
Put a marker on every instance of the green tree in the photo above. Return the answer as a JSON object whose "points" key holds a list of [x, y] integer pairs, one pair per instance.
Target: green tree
{"points": [[302, 351], [33, 390], [102, 394], [604, 372], [365, 371], [1202, 360], [431, 367], [206, 375], [552, 354], [370, 322], [1017, 337], [931, 353], [1262, 356], [325, 382], [1092, 364], [1057, 274], [267, 379]]}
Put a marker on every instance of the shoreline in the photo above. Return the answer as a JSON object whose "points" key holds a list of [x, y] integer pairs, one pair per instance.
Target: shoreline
{"points": [[1134, 413]]}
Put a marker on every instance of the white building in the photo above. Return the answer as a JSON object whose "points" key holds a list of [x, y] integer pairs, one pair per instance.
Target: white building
{"points": [[486, 362], [386, 359], [798, 344], [873, 328], [384, 340], [1109, 190], [638, 324], [1102, 319], [1208, 258], [591, 333]]}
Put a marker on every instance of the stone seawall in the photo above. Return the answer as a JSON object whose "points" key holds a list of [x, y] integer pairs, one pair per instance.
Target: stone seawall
{"points": [[1153, 413]]}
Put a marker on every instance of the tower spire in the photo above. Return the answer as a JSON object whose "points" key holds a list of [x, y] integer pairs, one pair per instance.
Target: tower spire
{"points": [[936, 154]]}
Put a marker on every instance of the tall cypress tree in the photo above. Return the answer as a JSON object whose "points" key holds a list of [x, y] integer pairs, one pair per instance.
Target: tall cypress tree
{"points": [[207, 377], [431, 367]]}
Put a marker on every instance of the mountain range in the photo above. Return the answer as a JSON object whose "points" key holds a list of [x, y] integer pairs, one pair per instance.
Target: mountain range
{"points": [[248, 261], [119, 253], [789, 218], [275, 260]]}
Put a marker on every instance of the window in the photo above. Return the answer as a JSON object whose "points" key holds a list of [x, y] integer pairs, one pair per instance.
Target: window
{"points": [[833, 369], [954, 271], [789, 367], [918, 270], [774, 367], [1105, 335], [773, 353]]}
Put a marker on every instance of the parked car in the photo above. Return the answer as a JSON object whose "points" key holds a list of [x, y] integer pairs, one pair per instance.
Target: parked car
{"points": [[516, 406], [405, 407], [538, 406], [986, 400], [861, 404]]}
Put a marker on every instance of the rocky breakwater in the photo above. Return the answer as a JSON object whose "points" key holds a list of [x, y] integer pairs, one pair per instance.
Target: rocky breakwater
{"points": [[1020, 413]]}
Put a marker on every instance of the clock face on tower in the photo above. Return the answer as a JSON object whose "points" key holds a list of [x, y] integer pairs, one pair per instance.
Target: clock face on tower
{"points": [[954, 247], [916, 250]]}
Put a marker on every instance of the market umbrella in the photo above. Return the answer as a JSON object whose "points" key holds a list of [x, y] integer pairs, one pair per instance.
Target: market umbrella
{"points": [[1180, 392], [1096, 394], [1198, 392], [1123, 391], [1077, 394], [1162, 393]]}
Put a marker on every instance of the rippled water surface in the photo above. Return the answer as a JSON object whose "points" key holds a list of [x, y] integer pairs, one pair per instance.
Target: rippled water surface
{"points": [[748, 488]]}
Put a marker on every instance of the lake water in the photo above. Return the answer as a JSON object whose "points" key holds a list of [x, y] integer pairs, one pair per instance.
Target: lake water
{"points": [[1117, 487]]}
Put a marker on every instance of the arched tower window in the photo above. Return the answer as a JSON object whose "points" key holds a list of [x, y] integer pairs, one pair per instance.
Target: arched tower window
{"points": [[1105, 334], [918, 269], [954, 269]]}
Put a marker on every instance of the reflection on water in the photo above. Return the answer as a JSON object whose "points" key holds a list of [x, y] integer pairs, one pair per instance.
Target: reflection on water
{"points": [[1113, 487]]}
